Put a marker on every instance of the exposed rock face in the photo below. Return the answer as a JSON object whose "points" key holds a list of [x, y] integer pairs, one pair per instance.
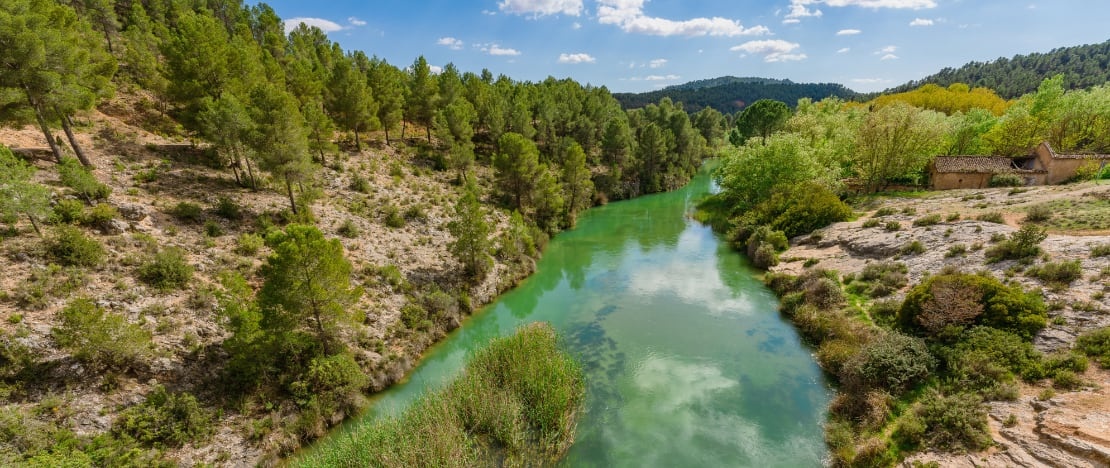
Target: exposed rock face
{"points": [[132, 211]]}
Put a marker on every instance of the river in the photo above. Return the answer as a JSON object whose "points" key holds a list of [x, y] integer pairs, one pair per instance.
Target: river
{"points": [[687, 361]]}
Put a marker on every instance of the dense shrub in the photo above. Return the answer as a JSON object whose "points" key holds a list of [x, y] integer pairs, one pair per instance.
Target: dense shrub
{"points": [[765, 256], [799, 209], [1006, 180], [68, 212], [249, 244], [992, 217], [914, 247], [1038, 214], [1023, 243], [83, 182], [101, 339], [393, 217], [100, 214], [70, 246], [229, 209], [1101, 250], [890, 361], [348, 229], [825, 293], [165, 419], [331, 383], [1003, 348], [960, 299], [188, 212], [1060, 273], [927, 220], [415, 317], [1096, 344], [950, 423], [166, 269], [879, 279], [763, 246]]}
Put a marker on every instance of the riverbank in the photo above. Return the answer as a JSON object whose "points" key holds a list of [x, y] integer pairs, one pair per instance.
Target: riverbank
{"points": [[1042, 421]]}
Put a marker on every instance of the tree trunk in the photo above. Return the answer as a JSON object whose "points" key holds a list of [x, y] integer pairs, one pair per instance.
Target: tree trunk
{"points": [[250, 173], [45, 128], [403, 124], [358, 142], [386, 136], [34, 224], [289, 191], [67, 126], [428, 129]]}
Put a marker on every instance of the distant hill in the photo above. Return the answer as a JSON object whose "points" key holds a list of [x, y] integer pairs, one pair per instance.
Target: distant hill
{"points": [[1084, 66], [729, 94]]}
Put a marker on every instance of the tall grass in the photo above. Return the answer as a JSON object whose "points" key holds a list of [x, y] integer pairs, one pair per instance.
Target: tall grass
{"points": [[515, 404]]}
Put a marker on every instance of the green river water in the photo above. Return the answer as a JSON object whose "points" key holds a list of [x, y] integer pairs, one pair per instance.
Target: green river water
{"points": [[688, 362]]}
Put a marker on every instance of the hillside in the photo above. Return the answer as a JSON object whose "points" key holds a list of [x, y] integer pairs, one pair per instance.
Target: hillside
{"points": [[731, 94], [1083, 66]]}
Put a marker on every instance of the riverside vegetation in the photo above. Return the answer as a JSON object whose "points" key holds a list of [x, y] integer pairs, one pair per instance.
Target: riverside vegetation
{"points": [[239, 232], [915, 361]]}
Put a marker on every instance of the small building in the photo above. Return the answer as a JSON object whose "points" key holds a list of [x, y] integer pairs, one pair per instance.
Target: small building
{"points": [[1062, 167], [1043, 167], [964, 172]]}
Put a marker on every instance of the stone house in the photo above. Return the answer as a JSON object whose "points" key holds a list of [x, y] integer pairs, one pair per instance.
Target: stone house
{"points": [[1043, 167]]}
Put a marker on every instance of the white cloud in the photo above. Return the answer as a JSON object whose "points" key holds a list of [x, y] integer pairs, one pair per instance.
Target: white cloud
{"points": [[773, 50], [889, 57], [355, 21], [887, 50], [791, 21], [657, 63], [629, 16], [921, 22], [844, 50], [576, 58], [656, 78], [848, 32], [801, 8], [489, 12], [450, 43], [435, 69], [323, 24], [541, 7], [494, 49], [576, 25]]}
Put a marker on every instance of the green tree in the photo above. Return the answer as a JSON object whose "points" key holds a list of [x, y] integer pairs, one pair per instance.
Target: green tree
{"points": [[578, 188], [388, 86], [306, 285], [349, 100], [420, 103], [102, 339], [51, 63], [517, 164], [472, 244], [711, 124], [19, 195], [454, 126], [761, 119], [897, 141], [750, 175], [226, 123], [197, 62], [279, 138]]}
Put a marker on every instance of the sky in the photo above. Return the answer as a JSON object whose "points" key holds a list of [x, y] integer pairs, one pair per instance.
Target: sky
{"points": [[643, 45]]}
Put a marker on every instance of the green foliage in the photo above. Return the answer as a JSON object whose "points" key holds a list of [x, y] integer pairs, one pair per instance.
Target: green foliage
{"points": [[83, 182], [1059, 274], [472, 245], [498, 408], [960, 299], [992, 217], [306, 284], [749, 176], [761, 118], [228, 208], [1096, 344], [393, 217], [1006, 180], [890, 361], [879, 279], [249, 244], [166, 269], [213, 229], [895, 142], [1023, 243], [797, 209], [1100, 250], [19, 195], [165, 419], [348, 229], [914, 247], [927, 220], [332, 383], [955, 422], [101, 339], [68, 212], [188, 212], [728, 94], [70, 246]]}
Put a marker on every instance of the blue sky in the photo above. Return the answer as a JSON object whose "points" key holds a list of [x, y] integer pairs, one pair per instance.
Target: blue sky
{"points": [[641, 45]]}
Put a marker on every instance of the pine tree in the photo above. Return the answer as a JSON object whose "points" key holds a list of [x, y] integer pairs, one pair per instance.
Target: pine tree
{"points": [[19, 195], [578, 188], [420, 104], [349, 100], [472, 244]]}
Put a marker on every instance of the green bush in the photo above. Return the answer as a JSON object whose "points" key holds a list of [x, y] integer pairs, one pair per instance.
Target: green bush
{"points": [[348, 229], [415, 317], [1096, 344], [188, 212], [992, 217], [999, 347], [68, 212], [960, 299], [100, 214], [1101, 250], [871, 223], [102, 339], [884, 211], [393, 217], [213, 229], [165, 419], [249, 244], [891, 361], [892, 226], [765, 256], [229, 209], [70, 246], [954, 422], [801, 209], [166, 269], [1023, 243], [927, 220], [1006, 180], [332, 383], [1060, 273], [914, 247], [78, 178], [1038, 214], [360, 184], [879, 279]]}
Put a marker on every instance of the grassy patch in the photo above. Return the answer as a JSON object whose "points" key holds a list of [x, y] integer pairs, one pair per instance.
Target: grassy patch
{"points": [[515, 402], [1077, 215]]}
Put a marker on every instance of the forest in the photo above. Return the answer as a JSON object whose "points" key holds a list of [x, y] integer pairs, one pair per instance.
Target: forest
{"points": [[730, 95], [1083, 66], [283, 113]]}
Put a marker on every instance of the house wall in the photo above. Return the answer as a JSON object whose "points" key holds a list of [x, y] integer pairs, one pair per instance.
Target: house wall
{"points": [[959, 180], [1059, 170]]}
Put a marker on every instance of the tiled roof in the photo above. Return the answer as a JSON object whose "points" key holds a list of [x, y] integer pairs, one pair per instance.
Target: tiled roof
{"points": [[1081, 156], [978, 164]]}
